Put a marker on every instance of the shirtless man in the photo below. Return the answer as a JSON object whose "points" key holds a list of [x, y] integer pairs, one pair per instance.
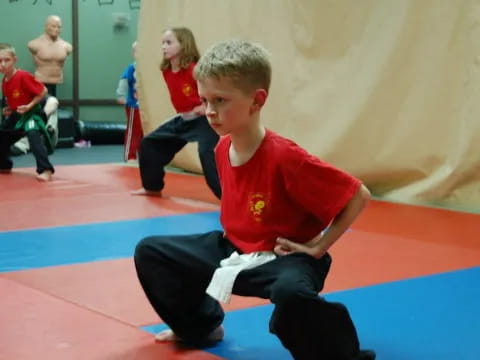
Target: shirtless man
{"points": [[49, 53]]}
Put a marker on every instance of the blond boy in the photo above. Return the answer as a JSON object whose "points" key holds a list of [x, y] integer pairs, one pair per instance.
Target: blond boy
{"points": [[276, 205]]}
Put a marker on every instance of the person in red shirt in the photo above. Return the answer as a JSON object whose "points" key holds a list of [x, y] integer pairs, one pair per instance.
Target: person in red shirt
{"points": [[23, 115], [158, 148], [281, 210]]}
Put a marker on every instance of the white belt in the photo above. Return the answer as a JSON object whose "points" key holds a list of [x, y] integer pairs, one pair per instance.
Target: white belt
{"points": [[223, 278]]}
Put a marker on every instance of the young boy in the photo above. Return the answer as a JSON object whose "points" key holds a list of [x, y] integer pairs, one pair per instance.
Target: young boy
{"points": [[277, 203], [24, 115], [127, 95]]}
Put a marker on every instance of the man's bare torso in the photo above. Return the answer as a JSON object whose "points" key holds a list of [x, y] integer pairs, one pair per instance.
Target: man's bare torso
{"points": [[49, 56]]}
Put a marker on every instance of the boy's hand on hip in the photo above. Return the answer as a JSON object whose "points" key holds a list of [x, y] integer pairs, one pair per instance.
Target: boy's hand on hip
{"points": [[285, 247], [22, 109]]}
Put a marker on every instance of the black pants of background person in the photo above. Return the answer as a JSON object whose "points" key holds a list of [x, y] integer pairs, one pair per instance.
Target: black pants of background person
{"points": [[176, 270], [9, 136], [159, 147], [52, 89]]}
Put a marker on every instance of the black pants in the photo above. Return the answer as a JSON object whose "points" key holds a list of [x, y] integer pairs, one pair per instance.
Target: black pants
{"points": [[52, 89], [9, 136], [159, 147], [176, 270]]}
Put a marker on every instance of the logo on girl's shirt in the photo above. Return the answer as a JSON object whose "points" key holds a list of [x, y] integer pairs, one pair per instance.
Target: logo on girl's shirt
{"points": [[257, 203], [16, 94], [187, 89]]}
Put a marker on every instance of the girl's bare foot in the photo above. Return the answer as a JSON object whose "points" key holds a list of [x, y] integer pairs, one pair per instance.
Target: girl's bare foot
{"points": [[168, 335], [45, 176], [144, 192]]}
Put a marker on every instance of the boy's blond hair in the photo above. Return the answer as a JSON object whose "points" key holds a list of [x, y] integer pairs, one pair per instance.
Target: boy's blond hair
{"points": [[9, 48], [246, 64], [189, 51]]}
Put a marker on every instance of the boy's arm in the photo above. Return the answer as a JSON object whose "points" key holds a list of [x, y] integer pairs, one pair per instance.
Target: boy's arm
{"points": [[5, 109], [36, 100], [319, 245], [122, 90]]}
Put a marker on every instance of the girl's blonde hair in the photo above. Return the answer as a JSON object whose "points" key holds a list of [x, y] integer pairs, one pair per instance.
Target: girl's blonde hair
{"points": [[188, 48]]}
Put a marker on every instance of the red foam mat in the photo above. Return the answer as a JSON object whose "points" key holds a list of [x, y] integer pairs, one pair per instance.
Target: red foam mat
{"points": [[418, 222], [94, 193], [38, 326]]}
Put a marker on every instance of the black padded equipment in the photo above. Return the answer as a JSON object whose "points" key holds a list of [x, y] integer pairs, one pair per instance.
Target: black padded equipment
{"points": [[102, 132]]}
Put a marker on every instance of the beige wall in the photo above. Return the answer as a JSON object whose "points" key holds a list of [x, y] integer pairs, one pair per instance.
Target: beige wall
{"points": [[386, 89]]}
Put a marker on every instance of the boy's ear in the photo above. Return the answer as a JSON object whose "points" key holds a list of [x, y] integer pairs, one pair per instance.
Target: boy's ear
{"points": [[259, 98]]}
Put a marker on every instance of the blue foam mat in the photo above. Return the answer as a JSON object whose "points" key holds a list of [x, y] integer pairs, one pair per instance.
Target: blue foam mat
{"points": [[429, 318], [29, 249]]}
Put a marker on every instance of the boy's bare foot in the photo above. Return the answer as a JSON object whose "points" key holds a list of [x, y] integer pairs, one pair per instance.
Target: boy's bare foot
{"points": [[144, 192], [168, 335], [45, 176], [5, 171]]}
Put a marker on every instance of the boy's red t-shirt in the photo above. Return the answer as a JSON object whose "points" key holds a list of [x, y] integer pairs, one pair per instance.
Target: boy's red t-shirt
{"points": [[282, 191], [21, 89], [183, 89]]}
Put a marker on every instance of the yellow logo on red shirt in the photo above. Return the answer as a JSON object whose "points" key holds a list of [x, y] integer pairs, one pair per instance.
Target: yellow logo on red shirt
{"points": [[16, 94], [257, 204], [187, 89]]}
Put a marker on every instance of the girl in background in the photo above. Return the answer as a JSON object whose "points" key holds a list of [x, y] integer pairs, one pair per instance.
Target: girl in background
{"points": [[158, 148]]}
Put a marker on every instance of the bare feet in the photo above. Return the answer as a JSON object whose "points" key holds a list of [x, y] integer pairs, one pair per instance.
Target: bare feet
{"points": [[168, 335], [144, 192], [45, 176]]}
